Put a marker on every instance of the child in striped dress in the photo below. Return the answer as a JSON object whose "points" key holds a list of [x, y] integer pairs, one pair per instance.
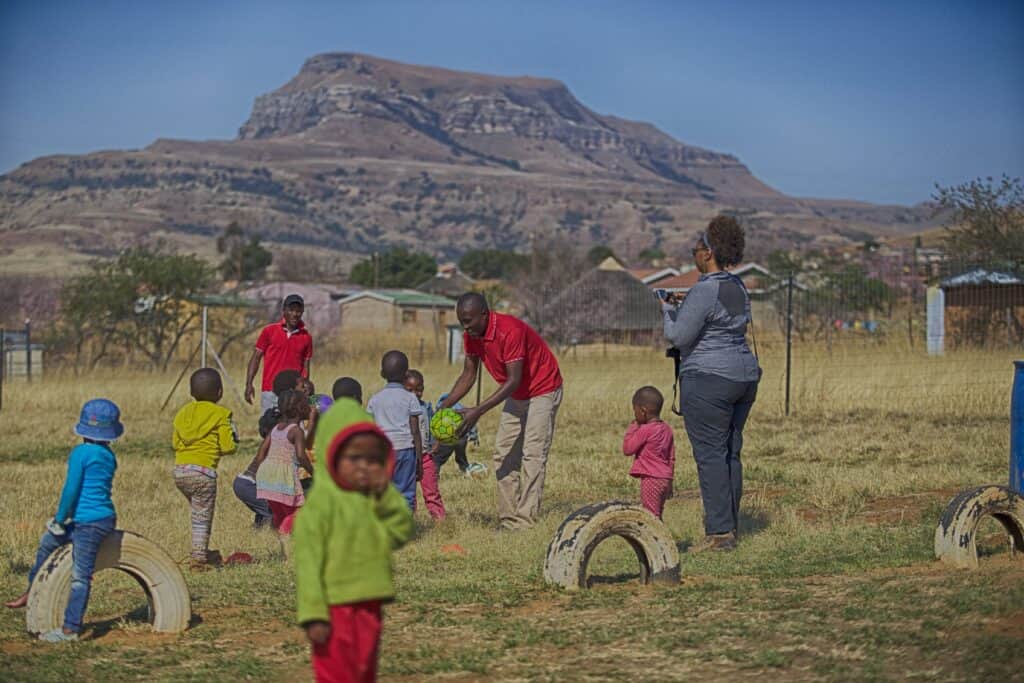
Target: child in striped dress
{"points": [[278, 461]]}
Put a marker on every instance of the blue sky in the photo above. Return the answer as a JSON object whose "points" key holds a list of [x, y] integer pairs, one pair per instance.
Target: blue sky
{"points": [[864, 100]]}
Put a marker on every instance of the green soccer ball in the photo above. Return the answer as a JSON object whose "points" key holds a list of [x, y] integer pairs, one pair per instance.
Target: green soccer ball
{"points": [[444, 426]]}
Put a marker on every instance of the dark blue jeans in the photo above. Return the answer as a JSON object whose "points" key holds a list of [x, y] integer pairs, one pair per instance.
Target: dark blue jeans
{"points": [[715, 411], [404, 476], [85, 539], [445, 452], [245, 490]]}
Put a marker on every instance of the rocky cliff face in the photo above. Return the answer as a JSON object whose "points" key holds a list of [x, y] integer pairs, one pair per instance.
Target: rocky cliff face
{"points": [[355, 153], [497, 121]]}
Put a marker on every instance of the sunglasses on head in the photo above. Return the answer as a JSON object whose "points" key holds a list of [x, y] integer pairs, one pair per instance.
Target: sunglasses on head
{"points": [[704, 246]]}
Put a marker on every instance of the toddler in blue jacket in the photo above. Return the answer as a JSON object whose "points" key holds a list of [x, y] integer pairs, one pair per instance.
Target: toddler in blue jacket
{"points": [[85, 514]]}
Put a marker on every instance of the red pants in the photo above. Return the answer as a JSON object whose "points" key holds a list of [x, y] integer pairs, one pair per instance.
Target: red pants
{"points": [[654, 493], [431, 489], [350, 654], [283, 516]]}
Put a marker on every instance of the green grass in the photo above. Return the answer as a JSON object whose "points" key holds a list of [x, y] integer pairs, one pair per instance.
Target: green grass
{"points": [[834, 578]]}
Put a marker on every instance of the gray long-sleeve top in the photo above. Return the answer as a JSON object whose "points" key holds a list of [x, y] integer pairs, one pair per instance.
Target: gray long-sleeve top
{"points": [[710, 327]]}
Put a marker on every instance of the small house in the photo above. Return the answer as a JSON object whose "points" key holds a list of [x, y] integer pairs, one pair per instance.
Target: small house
{"points": [[652, 276], [449, 281], [396, 310], [321, 309], [757, 279], [19, 355], [984, 308], [605, 304]]}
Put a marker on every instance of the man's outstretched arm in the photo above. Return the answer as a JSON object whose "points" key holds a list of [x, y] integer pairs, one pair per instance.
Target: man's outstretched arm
{"points": [[511, 384], [464, 383], [250, 374]]}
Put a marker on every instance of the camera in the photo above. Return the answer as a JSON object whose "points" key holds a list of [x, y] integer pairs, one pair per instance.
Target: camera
{"points": [[661, 294]]}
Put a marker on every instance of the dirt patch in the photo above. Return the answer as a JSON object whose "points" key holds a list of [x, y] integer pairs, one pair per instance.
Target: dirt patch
{"points": [[541, 607], [887, 510], [18, 647], [1011, 626]]}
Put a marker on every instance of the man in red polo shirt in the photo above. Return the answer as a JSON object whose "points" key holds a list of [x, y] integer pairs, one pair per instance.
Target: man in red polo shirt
{"points": [[531, 390], [286, 345]]}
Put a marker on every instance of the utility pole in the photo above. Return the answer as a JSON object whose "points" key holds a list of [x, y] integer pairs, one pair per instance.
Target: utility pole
{"points": [[789, 336], [28, 349]]}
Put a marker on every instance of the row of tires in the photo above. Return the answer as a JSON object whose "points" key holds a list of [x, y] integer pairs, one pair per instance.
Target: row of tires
{"points": [[569, 553], [565, 565]]}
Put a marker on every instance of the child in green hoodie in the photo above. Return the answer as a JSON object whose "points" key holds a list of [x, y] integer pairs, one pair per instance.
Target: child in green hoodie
{"points": [[203, 432], [352, 521]]}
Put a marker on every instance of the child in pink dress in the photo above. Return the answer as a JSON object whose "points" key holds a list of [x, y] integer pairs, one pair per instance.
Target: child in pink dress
{"points": [[652, 444], [276, 466]]}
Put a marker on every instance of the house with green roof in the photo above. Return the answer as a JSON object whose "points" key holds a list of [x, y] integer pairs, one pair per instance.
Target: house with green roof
{"points": [[396, 310]]}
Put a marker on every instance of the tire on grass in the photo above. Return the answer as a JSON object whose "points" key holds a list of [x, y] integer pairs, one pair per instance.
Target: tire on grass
{"points": [[955, 536], [570, 550], [170, 605]]}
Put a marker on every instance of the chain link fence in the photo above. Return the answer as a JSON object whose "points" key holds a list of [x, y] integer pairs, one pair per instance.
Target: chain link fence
{"points": [[904, 333]]}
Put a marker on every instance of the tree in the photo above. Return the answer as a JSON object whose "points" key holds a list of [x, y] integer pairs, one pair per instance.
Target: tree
{"points": [[554, 265], [651, 255], [244, 259], [599, 253], [493, 263], [986, 220], [295, 266], [142, 301], [396, 267], [782, 263]]}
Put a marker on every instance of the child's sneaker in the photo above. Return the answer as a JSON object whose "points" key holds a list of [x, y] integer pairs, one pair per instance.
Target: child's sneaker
{"points": [[57, 635], [476, 469], [213, 561]]}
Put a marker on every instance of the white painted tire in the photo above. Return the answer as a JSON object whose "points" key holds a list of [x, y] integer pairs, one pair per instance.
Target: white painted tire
{"points": [[579, 535], [955, 536], [170, 605]]}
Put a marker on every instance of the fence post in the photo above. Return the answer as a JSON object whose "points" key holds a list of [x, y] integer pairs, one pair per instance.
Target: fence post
{"points": [[3, 364], [789, 335], [1017, 429], [202, 341], [28, 349]]}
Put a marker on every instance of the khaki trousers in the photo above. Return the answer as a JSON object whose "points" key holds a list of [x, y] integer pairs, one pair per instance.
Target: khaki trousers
{"points": [[521, 457]]}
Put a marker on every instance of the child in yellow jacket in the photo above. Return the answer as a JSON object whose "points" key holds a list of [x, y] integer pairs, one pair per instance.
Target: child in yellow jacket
{"points": [[203, 432]]}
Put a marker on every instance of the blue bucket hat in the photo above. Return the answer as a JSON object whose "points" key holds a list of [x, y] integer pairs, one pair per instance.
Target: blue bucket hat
{"points": [[100, 420]]}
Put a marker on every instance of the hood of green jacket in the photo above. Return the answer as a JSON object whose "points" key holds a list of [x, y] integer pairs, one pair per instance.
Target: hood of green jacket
{"points": [[343, 420]]}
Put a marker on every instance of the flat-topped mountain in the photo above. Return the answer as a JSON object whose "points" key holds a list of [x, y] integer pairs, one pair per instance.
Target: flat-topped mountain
{"points": [[356, 153]]}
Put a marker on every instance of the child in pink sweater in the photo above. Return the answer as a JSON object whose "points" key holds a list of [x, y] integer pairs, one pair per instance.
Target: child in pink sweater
{"points": [[652, 444]]}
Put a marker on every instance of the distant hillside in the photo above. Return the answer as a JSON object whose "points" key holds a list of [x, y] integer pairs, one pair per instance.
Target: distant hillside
{"points": [[356, 153]]}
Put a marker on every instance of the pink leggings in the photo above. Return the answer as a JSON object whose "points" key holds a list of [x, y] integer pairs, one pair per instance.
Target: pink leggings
{"points": [[654, 493], [431, 491]]}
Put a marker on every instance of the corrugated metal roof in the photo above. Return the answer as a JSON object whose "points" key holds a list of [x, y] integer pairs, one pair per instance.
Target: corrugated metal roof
{"points": [[981, 276], [228, 300], [404, 297]]}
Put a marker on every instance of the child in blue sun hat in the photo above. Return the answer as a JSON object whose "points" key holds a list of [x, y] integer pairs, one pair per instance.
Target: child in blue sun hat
{"points": [[85, 513]]}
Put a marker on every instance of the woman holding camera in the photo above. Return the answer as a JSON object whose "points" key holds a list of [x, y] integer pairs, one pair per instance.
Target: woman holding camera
{"points": [[718, 377]]}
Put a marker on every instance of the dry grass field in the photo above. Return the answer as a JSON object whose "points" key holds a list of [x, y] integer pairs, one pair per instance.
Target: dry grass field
{"points": [[834, 578]]}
